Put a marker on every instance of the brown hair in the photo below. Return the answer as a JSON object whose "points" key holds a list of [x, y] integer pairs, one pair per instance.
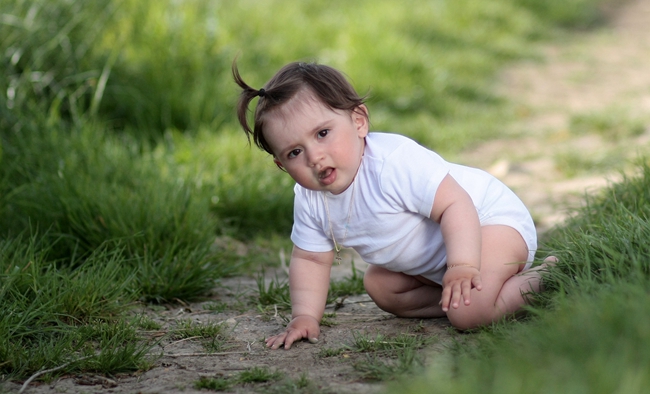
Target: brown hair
{"points": [[327, 84]]}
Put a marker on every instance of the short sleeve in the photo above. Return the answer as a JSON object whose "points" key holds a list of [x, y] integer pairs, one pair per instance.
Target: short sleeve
{"points": [[411, 176], [307, 232]]}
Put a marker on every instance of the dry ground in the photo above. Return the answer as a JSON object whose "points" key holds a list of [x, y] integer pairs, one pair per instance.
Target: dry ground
{"points": [[548, 164]]}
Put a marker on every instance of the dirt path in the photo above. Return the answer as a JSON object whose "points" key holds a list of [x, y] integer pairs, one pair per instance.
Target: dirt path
{"points": [[561, 150]]}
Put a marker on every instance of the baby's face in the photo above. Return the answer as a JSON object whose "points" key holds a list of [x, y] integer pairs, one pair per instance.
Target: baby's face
{"points": [[319, 147]]}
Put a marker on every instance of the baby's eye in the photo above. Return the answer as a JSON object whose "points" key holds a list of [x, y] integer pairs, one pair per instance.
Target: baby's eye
{"points": [[323, 133], [294, 153]]}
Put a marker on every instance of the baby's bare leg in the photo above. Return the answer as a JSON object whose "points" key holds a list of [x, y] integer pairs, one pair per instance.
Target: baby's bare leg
{"points": [[501, 246], [403, 295]]}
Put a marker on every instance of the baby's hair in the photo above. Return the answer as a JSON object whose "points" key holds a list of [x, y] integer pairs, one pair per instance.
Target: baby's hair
{"points": [[326, 83]]}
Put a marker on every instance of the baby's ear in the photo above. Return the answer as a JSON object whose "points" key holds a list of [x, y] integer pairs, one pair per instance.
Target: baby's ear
{"points": [[277, 163], [360, 118]]}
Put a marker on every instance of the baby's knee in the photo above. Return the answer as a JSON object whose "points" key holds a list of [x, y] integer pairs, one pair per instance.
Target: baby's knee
{"points": [[378, 288], [462, 319], [371, 282]]}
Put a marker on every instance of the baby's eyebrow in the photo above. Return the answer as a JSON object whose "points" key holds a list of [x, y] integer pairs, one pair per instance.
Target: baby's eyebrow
{"points": [[320, 126]]}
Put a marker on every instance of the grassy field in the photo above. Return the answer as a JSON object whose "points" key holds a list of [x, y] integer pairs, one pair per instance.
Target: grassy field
{"points": [[120, 161]]}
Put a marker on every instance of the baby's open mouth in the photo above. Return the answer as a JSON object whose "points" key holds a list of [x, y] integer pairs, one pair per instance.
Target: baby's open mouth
{"points": [[325, 173]]}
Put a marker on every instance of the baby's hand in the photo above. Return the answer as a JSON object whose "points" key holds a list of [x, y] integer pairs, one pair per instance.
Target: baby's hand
{"points": [[458, 282], [300, 327]]}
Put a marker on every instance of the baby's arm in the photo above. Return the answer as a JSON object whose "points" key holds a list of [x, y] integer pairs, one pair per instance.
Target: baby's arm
{"points": [[461, 230], [309, 278]]}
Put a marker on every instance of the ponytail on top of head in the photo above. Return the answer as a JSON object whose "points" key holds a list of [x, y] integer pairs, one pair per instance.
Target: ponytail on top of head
{"points": [[326, 83]]}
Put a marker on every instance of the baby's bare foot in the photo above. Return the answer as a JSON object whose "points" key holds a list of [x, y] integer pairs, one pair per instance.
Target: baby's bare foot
{"points": [[551, 260]]}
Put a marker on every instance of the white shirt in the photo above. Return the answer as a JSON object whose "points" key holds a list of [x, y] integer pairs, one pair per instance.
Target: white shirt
{"points": [[386, 209]]}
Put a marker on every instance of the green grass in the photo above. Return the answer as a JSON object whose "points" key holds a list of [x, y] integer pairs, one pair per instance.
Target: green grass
{"points": [[301, 385], [365, 343], [55, 316], [332, 352], [214, 384], [211, 335], [190, 329], [385, 357], [259, 375], [612, 124], [151, 66], [572, 163], [382, 369], [328, 320], [109, 192], [263, 379], [274, 295], [613, 131]]}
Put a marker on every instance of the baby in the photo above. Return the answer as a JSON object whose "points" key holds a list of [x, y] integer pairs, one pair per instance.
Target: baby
{"points": [[441, 239]]}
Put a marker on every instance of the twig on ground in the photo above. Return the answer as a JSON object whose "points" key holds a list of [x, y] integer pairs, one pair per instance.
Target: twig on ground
{"points": [[181, 340], [199, 354], [43, 372]]}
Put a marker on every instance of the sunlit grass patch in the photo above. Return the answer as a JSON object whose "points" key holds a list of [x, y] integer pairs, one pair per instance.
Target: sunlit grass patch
{"points": [[333, 352], [613, 125], [301, 385], [147, 323], [246, 192], [381, 345], [610, 139], [364, 342], [259, 375], [374, 367], [211, 335], [214, 384], [574, 162], [389, 357], [188, 328], [150, 66], [328, 320], [65, 317], [275, 294], [217, 307]]}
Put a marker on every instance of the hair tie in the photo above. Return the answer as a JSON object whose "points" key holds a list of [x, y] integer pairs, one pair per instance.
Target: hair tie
{"points": [[261, 92]]}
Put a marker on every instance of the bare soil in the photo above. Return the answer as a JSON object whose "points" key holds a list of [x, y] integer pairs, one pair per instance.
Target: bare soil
{"points": [[603, 71]]}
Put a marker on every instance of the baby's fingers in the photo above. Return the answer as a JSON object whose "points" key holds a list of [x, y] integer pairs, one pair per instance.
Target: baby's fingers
{"points": [[296, 335], [450, 297], [466, 289], [292, 336], [445, 298], [276, 341], [456, 294], [476, 282]]}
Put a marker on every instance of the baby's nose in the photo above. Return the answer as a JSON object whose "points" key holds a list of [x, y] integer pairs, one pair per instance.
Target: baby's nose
{"points": [[314, 157]]}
